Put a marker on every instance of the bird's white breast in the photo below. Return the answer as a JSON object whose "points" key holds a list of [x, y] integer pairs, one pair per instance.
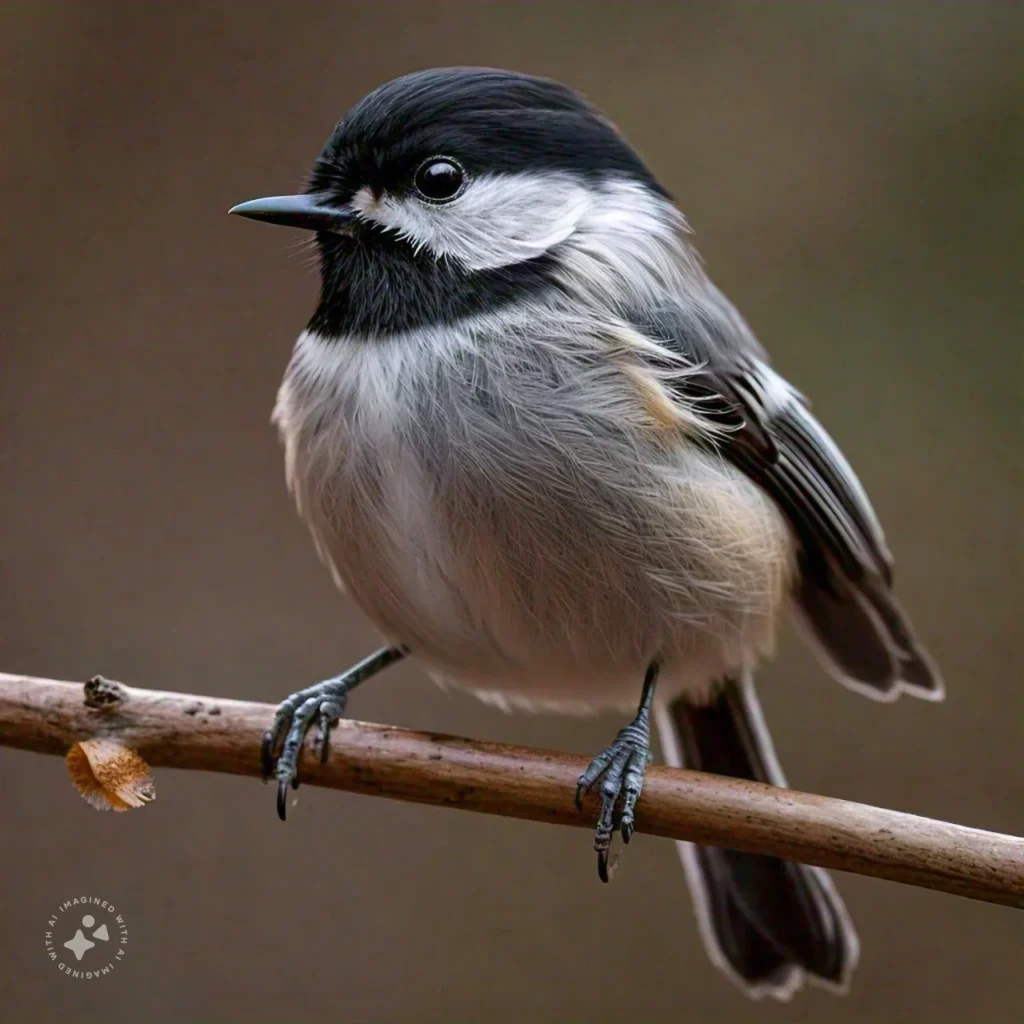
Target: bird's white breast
{"points": [[526, 517]]}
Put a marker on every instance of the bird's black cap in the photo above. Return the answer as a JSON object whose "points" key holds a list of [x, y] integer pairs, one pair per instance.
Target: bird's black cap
{"points": [[489, 119]]}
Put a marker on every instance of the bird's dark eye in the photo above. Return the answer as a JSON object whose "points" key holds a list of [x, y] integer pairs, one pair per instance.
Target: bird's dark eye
{"points": [[439, 179]]}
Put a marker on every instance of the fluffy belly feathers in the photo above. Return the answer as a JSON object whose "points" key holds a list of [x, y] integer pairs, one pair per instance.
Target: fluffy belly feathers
{"points": [[536, 544]]}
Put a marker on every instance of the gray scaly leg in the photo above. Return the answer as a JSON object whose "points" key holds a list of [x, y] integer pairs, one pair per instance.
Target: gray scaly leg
{"points": [[621, 768]]}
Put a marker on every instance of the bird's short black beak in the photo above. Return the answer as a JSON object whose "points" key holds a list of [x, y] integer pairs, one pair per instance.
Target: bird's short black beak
{"points": [[305, 211]]}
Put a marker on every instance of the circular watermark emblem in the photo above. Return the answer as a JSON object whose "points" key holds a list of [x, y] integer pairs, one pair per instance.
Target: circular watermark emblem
{"points": [[86, 937]]}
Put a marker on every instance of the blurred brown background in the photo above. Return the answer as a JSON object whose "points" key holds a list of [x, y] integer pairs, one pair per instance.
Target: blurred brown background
{"points": [[853, 173]]}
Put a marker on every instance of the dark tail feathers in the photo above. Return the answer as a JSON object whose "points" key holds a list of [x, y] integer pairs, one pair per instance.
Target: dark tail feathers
{"points": [[766, 923]]}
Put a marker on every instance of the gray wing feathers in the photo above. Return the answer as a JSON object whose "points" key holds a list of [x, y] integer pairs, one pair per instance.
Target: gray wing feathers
{"points": [[844, 592]]}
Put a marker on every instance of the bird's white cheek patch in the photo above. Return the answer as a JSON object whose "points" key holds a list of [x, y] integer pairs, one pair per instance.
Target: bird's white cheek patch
{"points": [[497, 221]]}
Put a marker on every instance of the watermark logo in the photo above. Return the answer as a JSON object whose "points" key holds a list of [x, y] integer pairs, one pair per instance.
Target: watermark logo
{"points": [[86, 938]]}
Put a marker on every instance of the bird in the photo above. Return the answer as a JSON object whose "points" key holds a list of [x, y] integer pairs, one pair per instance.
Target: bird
{"points": [[553, 465]]}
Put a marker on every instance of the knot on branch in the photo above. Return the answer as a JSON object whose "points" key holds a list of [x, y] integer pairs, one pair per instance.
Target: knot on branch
{"points": [[101, 693]]}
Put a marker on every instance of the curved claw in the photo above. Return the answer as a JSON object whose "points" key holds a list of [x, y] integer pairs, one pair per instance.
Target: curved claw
{"points": [[282, 799], [580, 790], [602, 865]]}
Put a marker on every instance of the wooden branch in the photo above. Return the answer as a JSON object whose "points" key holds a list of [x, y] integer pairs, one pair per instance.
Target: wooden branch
{"points": [[178, 730]]}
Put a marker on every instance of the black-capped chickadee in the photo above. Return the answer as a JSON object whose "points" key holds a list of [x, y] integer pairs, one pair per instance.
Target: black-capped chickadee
{"points": [[550, 462]]}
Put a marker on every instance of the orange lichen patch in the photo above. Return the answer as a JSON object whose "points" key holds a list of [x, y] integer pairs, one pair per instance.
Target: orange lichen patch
{"points": [[110, 775]]}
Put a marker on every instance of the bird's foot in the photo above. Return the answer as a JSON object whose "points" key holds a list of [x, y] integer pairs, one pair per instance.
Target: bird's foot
{"points": [[620, 767], [323, 704]]}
